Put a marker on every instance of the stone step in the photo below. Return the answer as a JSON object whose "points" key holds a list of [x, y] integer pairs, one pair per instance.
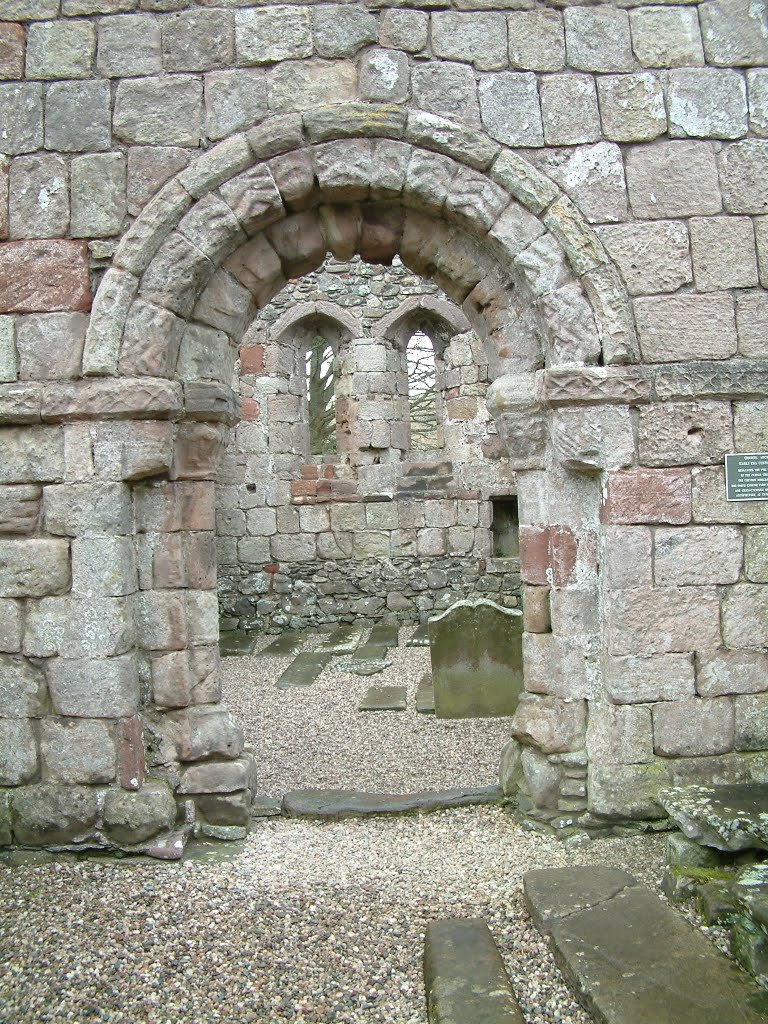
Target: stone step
{"points": [[420, 636], [383, 635], [464, 975], [350, 803], [632, 958], [343, 640], [385, 698], [425, 695], [235, 643], [303, 670], [288, 644]]}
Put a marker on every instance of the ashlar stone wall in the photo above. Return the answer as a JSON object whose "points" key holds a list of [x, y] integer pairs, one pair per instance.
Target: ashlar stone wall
{"points": [[587, 182]]}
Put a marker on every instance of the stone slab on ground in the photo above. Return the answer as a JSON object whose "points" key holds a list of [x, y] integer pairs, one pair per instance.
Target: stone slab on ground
{"points": [[266, 806], [385, 698], [383, 635], [464, 975], [368, 661], [236, 643], [731, 817], [420, 636], [344, 640], [350, 803], [287, 644], [425, 695], [631, 957], [303, 670]]}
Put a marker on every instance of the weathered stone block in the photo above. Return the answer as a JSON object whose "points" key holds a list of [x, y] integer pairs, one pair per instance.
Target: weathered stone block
{"points": [[447, 89], [756, 554], [129, 45], [665, 37], [652, 257], [384, 76], [404, 30], [98, 195], [44, 276], [267, 35], [50, 345], [38, 197], [509, 106], [602, 439], [88, 509], [750, 426], [77, 117], [21, 117], [550, 724], [295, 85], [159, 111], [627, 791], [204, 732], [9, 360], [598, 39], [60, 49], [710, 506], [536, 40], [632, 107], [734, 33], [593, 176], [752, 324], [569, 110], [647, 496], [478, 38], [18, 752], [161, 621], [49, 814], [234, 100], [757, 91], [707, 104], [11, 624], [688, 728], [33, 568], [149, 168], [341, 31], [642, 680], [676, 433], [23, 691], [12, 40], [197, 40], [673, 328], [135, 817], [743, 178], [697, 555], [745, 616], [667, 620], [673, 179], [105, 688], [619, 735], [627, 557], [750, 722], [216, 777], [77, 751], [727, 672]]}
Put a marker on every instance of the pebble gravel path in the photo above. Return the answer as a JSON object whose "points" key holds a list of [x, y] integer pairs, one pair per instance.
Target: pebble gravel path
{"points": [[303, 921]]}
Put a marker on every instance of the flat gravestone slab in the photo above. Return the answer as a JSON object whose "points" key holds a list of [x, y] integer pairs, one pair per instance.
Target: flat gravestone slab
{"points": [[732, 817], [476, 648], [385, 698], [343, 640], [420, 636], [425, 695], [351, 803], [464, 975], [383, 635], [288, 644], [303, 670], [235, 643], [631, 957], [368, 661]]}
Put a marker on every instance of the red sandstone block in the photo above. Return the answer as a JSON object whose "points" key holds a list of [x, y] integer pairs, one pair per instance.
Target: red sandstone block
{"points": [[44, 276], [252, 359], [548, 555], [11, 50], [132, 767], [328, 472], [272, 568], [251, 409], [309, 472], [301, 488], [647, 496]]}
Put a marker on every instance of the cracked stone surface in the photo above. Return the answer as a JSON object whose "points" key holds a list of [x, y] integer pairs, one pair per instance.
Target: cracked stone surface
{"points": [[733, 817]]}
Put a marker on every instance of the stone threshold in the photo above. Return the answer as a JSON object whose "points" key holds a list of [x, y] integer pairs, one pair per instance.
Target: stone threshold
{"points": [[350, 803]]}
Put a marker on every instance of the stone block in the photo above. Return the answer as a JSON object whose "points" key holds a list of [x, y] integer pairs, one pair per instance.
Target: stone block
{"points": [[705, 103], [697, 556], [652, 257], [743, 178], [33, 568], [643, 680], [666, 620], [129, 45], [197, 40], [664, 37], [404, 30], [161, 620], [21, 117], [268, 35], [757, 92], [98, 688], [550, 724], [38, 196], [745, 616], [756, 554], [234, 100], [509, 107], [132, 818], [50, 345], [88, 509], [724, 672], [205, 732], [627, 791], [10, 627], [44, 276], [205, 354], [78, 116], [710, 506], [647, 496], [50, 814], [673, 179], [149, 168], [752, 324], [60, 49], [300, 86], [341, 31], [598, 440], [384, 76], [23, 692], [734, 33], [750, 722], [680, 433], [199, 447], [536, 40], [12, 41], [98, 195], [446, 89], [632, 107], [168, 507], [18, 752], [569, 110], [215, 777], [77, 751], [619, 734], [31, 453], [598, 39], [691, 728], [9, 362], [750, 426], [593, 177], [477, 38], [627, 560], [673, 328], [163, 111], [103, 565]]}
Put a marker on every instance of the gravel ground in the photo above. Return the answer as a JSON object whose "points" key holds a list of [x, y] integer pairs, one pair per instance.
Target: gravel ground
{"points": [[304, 921]]}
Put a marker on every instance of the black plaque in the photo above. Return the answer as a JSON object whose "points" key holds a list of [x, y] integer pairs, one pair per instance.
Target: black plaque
{"points": [[746, 476]]}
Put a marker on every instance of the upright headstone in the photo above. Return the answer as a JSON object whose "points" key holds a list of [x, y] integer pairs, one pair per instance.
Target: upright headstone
{"points": [[476, 649]]}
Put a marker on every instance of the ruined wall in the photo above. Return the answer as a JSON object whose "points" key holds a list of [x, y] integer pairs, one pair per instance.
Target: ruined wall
{"points": [[587, 182]]}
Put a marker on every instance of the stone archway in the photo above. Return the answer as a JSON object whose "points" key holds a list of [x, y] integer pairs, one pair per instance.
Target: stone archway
{"points": [[215, 244]]}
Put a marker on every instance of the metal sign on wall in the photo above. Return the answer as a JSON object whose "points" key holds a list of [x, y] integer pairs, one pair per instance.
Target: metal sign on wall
{"points": [[746, 476]]}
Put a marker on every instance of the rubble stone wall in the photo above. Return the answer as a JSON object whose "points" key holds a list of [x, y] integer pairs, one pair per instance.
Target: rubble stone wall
{"points": [[587, 182]]}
